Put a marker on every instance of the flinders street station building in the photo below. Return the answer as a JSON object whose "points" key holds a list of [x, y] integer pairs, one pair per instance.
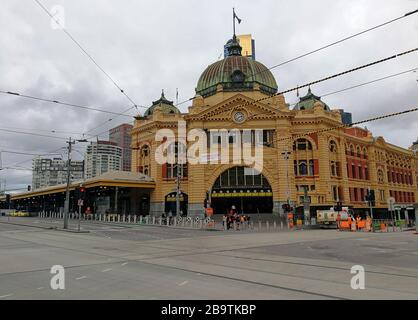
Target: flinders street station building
{"points": [[302, 163]]}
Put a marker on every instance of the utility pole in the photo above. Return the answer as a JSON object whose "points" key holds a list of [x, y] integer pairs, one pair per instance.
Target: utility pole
{"points": [[67, 192]]}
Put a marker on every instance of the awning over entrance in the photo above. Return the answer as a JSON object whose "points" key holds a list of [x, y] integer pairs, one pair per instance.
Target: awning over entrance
{"points": [[123, 179], [113, 192]]}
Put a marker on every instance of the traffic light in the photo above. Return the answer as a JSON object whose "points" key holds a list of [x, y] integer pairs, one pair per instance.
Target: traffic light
{"points": [[339, 206], [370, 198], [82, 193]]}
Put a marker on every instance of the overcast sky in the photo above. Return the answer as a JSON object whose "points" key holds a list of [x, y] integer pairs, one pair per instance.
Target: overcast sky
{"points": [[147, 46]]}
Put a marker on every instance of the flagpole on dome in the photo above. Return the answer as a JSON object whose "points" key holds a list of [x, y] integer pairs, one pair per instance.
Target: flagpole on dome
{"points": [[234, 16]]}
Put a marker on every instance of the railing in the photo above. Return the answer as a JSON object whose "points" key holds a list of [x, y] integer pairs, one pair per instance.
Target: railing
{"points": [[271, 224]]}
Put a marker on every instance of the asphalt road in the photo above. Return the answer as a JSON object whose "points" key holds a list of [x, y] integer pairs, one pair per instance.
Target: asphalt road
{"points": [[142, 262]]}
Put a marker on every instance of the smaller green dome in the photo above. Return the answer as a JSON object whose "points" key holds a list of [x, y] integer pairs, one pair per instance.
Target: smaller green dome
{"points": [[165, 105], [307, 102]]}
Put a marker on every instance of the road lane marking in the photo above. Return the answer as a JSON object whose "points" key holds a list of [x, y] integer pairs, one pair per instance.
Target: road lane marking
{"points": [[124, 264], [183, 283], [6, 295], [79, 278], [106, 270], [40, 288]]}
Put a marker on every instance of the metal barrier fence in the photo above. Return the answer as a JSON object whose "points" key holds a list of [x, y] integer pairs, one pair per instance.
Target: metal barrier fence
{"points": [[179, 222], [389, 225]]}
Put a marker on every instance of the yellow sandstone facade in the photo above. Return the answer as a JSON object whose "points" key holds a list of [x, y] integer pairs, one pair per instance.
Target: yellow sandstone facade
{"points": [[327, 167]]}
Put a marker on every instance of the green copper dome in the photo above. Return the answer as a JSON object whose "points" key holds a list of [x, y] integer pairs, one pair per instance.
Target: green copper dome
{"points": [[236, 73], [308, 102], [166, 106]]}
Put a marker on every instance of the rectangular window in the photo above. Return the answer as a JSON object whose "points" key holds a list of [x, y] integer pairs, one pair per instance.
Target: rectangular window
{"points": [[311, 167], [334, 193], [360, 172], [382, 195]]}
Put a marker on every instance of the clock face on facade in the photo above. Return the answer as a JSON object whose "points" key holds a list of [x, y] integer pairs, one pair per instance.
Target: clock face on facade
{"points": [[239, 116]]}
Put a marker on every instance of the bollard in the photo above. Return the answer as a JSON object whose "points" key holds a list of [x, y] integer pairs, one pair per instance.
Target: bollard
{"points": [[268, 226], [140, 219], [175, 222], [235, 226], [129, 219], [201, 224], [146, 219], [259, 225], [135, 219], [168, 221], [184, 222], [274, 225], [281, 225], [160, 222], [118, 217]]}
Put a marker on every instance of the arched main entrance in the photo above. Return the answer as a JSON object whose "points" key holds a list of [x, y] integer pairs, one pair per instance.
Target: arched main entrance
{"points": [[245, 188], [170, 203]]}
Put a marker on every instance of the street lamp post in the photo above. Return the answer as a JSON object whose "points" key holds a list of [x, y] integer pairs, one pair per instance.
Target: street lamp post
{"points": [[286, 154]]}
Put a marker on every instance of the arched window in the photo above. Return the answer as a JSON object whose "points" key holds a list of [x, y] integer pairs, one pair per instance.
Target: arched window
{"points": [[332, 146], [358, 152], [352, 150]]}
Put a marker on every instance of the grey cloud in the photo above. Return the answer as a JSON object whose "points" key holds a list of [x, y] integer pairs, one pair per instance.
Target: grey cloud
{"points": [[147, 46]]}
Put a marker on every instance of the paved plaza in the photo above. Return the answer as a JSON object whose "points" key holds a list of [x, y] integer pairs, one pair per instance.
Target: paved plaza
{"points": [[152, 262]]}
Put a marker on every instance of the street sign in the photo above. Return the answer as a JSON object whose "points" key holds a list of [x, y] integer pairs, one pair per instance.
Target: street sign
{"points": [[391, 203], [80, 202]]}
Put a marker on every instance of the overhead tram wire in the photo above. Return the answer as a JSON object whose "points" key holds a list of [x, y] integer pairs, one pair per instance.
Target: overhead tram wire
{"points": [[86, 53], [288, 90], [349, 125], [65, 103], [45, 154], [338, 41], [26, 153], [325, 46], [363, 84], [331, 77], [32, 134], [41, 130], [107, 121]]}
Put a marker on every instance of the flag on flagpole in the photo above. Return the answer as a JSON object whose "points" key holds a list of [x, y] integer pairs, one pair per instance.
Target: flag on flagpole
{"points": [[236, 17]]}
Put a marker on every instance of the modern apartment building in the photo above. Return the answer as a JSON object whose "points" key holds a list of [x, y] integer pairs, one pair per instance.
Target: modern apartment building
{"points": [[101, 157], [51, 172]]}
